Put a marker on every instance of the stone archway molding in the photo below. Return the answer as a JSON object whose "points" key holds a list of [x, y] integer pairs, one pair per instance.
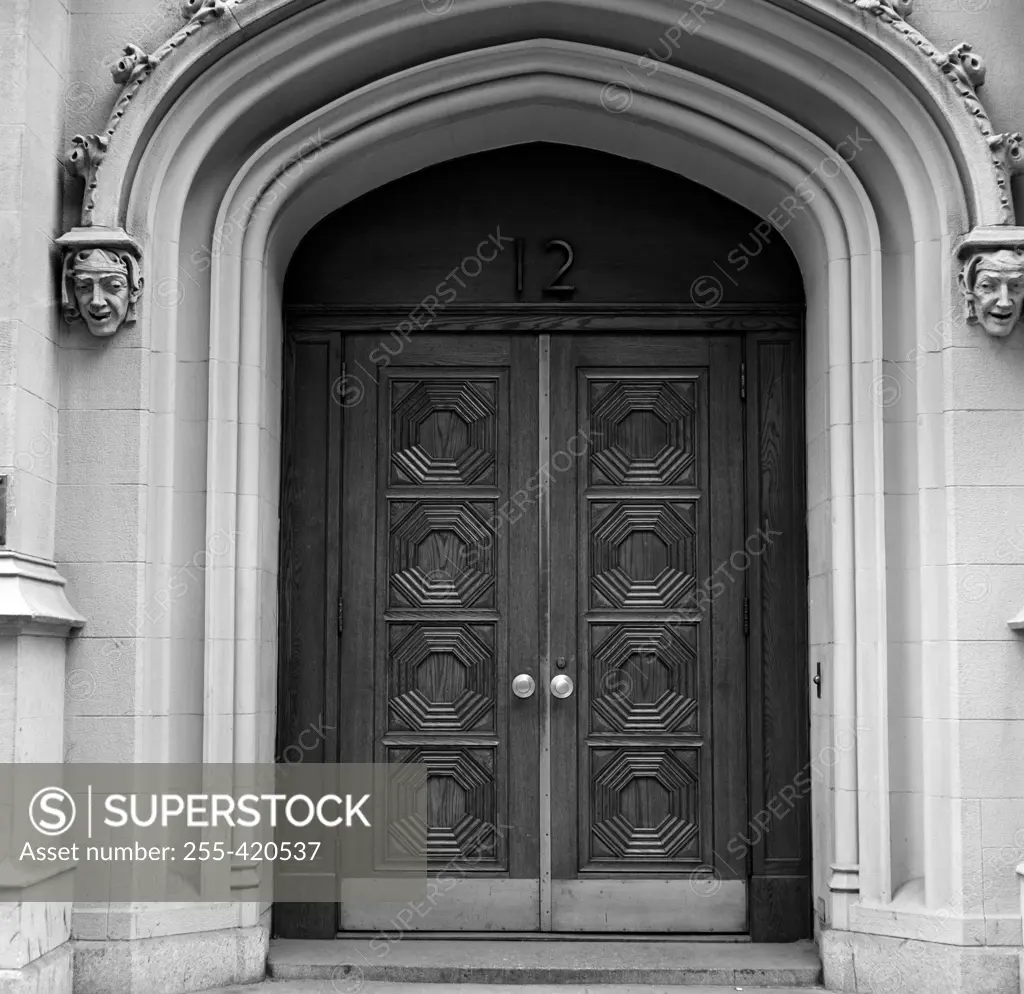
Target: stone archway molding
{"points": [[946, 85], [213, 148], [503, 95]]}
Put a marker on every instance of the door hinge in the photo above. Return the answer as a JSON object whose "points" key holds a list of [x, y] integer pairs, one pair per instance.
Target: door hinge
{"points": [[743, 381], [341, 614], [746, 615]]}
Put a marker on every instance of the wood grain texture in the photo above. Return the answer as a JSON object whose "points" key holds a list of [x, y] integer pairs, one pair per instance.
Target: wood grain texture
{"points": [[778, 835], [309, 551], [566, 591], [730, 691], [523, 610], [643, 801], [638, 778], [433, 615], [444, 425], [781, 908]]}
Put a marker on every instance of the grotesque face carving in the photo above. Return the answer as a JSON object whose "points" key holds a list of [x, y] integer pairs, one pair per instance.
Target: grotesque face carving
{"points": [[994, 287], [101, 288]]}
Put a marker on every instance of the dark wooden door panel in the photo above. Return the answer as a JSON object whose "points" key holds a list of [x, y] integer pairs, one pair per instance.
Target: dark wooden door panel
{"points": [[727, 594], [676, 514], [442, 582], [642, 513], [435, 612], [645, 792]]}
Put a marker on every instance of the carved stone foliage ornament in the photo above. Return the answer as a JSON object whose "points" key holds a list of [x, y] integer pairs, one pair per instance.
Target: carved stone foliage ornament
{"points": [[966, 71], [901, 8], [85, 157], [101, 279], [992, 278]]}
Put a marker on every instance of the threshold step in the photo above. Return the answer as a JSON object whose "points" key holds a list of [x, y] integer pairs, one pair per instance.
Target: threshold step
{"points": [[325, 987], [351, 964]]}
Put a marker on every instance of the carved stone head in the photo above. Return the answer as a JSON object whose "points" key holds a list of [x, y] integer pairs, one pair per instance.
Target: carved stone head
{"points": [[993, 284], [101, 287]]}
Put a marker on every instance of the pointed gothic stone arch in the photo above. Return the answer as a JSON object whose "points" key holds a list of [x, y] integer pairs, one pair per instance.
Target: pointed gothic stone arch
{"points": [[259, 117]]}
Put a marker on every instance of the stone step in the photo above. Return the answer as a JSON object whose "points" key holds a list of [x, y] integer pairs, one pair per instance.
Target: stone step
{"points": [[325, 987], [351, 964]]}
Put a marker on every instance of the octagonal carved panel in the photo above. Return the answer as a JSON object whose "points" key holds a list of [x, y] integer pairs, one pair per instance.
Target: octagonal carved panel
{"points": [[645, 804], [644, 678], [460, 806], [641, 553], [441, 678], [643, 433], [441, 554], [444, 432]]}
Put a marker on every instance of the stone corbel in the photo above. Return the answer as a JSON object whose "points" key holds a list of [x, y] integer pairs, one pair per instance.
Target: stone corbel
{"points": [[992, 277], [101, 278], [992, 282]]}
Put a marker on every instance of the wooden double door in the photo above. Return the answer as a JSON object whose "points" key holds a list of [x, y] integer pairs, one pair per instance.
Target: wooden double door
{"points": [[544, 548]]}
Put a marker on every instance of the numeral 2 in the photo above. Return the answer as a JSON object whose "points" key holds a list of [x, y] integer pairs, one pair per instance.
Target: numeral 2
{"points": [[554, 286]]}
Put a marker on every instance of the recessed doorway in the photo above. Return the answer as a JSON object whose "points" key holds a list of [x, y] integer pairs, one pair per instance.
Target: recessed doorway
{"points": [[543, 533]]}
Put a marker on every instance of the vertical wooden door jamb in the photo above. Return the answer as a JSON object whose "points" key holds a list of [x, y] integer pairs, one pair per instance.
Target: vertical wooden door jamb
{"points": [[780, 884], [309, 920]]}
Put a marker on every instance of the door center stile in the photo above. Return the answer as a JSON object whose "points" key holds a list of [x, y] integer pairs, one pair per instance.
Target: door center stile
{"points": [[544, 604]]}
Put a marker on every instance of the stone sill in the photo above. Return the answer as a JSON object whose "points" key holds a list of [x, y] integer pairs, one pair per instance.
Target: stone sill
{"points": [[1017, 622], [32, 598]]}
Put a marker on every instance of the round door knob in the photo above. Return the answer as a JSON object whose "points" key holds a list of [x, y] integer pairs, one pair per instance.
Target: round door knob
{"points": [[523, 685], [561, 686]]}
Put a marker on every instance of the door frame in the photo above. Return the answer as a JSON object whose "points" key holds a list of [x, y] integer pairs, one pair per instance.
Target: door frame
{"points": [[777, 847]]}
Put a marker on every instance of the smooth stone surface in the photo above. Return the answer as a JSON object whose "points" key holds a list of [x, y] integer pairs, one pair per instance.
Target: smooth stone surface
{"points": [[352, 963], [336, 987], [49, 974]]}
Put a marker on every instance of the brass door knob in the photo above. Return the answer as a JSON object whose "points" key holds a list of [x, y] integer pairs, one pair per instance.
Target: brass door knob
{"points": [[523, 685], [561, 685]]}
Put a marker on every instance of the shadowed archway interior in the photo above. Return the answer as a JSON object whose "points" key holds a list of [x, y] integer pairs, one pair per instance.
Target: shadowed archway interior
{"points": [[657, 235]]}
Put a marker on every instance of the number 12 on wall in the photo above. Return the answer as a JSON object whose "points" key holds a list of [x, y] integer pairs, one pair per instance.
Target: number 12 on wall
{"points": [[558, 285]]}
